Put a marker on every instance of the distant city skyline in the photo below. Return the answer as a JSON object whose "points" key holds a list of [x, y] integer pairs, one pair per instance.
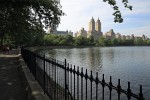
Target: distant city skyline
{"points": [[79, 12]]}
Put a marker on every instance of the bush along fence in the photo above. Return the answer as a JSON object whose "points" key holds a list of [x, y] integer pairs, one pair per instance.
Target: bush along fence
{"points": [[62, 81]]}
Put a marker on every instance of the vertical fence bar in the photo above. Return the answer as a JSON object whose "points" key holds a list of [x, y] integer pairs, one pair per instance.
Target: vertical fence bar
{"points": [[52, 76], [46, 79], [91, 79], [29, 61], [86, 76], [35, 67], [129, 91], [68, 80], [71, 79], [74, 71], [65, 81], [141, 94], [49, 74], [97, 80], [55, 79], [103, 85], [110, 88], [49, 69], [53, 69], [119, 89], [81, 83], [78, 83], [44, 74]]}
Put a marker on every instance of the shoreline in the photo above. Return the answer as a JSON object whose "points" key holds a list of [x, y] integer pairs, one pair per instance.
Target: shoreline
{"points": [[34, 48]]}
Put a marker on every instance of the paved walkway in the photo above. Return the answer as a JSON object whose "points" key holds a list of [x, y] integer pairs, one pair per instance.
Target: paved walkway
{"points": [[11, 85]]}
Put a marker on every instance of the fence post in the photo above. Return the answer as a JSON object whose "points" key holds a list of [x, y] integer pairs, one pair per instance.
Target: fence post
{"points": [[74, 71], [65, 80], [82, 83], [119, 89], [129, 91], [141, 94], [91, 79], [68, 81], [103, 85], [86, 76], [97, 80], [44, 74], [110, 88], [78, 83], [35, 66], [71, 70], [55, 91]]}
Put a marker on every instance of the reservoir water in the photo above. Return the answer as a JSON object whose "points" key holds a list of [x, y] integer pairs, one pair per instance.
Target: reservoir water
{"points": [[125, 63]]}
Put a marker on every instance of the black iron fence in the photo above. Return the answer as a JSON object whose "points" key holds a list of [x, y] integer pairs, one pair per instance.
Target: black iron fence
{"points": [[62, 81]]}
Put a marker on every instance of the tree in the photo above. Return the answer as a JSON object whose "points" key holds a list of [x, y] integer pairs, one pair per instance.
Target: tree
{"points": [[91, 40], [139, 42], [102, 41], [148, 42], [21, 18], [81, 41], [117, 14], [114, 42], [69, 40]]}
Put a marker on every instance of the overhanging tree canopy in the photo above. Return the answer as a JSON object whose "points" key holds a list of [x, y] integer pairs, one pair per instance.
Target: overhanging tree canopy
{"points": [[22, 18]]}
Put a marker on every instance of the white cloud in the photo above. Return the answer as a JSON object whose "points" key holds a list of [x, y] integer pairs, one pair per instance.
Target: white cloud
{"points": [[79, 13]]}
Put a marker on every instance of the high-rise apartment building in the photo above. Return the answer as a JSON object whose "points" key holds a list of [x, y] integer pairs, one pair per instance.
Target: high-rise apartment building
{"points": [[94, 29]]}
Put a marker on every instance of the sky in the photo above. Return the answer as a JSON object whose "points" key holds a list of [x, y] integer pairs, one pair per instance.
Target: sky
{"points": [[79, 13]]}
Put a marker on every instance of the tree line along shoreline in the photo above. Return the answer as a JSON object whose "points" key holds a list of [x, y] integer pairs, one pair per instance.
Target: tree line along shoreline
{"points": [[70, 41]]}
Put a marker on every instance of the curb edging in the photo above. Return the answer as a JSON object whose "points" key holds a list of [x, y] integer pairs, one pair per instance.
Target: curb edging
{"points": [[34, 91]]}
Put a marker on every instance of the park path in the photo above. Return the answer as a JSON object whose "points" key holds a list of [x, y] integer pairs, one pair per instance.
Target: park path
{"points": [[11, 84]]}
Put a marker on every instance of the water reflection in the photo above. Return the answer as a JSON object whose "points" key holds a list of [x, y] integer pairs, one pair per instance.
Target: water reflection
{"points": [[95, 59], [110, 54], [88, 58]]}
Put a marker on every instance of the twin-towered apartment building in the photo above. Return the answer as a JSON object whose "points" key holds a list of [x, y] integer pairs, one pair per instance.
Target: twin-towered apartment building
{"points": [[94, 30]]}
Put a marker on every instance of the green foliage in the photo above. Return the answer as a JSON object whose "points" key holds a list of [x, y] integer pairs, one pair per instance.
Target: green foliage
{"points": [[117, 14], [91, 40], [102, 41], [68, 40], [123, 42], [139, 42], [81, 41], [55, 40], [22, 20], [148, 42]]}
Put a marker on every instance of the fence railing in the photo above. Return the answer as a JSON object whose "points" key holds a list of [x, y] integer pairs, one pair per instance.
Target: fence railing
{"points": [[62, 81]]}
